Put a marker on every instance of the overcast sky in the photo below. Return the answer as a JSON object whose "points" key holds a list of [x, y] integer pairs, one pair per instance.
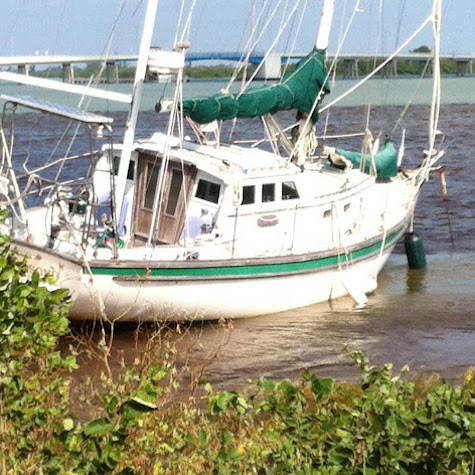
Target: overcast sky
{"points": [[83, 26]]}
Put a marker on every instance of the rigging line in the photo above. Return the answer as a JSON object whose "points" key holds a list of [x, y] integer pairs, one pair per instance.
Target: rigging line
{"points": [[94, 80], [186, 29], [414, 94], [340, 41], [433, 155], [180, 19], [60, 24], [159, 192], [137, 8], [30, 142], [356, 9], [245, 66], [107, 47], [294, 43], [249, 45], [20, 8], [402, 9], [382, 36], [272, 46], [83, 102], [284, 14], [378, 68], [60, 160], [58, 143]]}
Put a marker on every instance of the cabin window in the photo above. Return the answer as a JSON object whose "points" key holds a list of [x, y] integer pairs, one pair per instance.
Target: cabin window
{"points": [[347, 207], [248, 195], [151, 185], [174, 193], [116, 162], [208, 191], [327, 213], [289, 191], [268, 192], [130, 171]]}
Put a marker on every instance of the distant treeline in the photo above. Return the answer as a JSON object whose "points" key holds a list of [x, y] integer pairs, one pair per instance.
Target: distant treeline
{"points": [[364, 67]]}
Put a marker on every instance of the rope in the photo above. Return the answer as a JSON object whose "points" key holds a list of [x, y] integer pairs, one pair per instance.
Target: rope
{"points": [[377, 69], [250, 45], [32, 179], [186, 27]]}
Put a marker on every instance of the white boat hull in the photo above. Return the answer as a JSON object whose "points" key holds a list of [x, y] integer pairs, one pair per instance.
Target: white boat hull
{"points": [[125, 293]]}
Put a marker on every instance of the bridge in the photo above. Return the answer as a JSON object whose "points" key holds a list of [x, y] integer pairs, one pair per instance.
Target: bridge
{"points": [[271, 68]]}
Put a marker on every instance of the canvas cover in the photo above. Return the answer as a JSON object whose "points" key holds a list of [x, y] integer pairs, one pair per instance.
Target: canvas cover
{"points": [[385, 160], [298, 90]]}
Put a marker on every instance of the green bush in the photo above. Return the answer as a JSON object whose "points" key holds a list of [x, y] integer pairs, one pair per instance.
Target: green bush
{"points": [[37, 432], [384, 424]]}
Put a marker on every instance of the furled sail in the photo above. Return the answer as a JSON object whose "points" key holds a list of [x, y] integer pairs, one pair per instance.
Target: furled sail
{"points": [[298, 89]]}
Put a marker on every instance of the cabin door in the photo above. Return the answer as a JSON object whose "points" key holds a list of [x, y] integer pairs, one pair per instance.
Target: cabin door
{"points": [[177, 185]]}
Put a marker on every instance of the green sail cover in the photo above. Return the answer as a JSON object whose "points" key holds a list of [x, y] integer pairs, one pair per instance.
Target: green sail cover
{"points": [[385, 160], [297, 90]]}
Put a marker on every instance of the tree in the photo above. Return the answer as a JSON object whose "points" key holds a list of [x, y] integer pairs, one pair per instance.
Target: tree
{"points": [[422, 49]]}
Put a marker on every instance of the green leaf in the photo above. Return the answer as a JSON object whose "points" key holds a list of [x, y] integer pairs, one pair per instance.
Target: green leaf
{"points": [[115, 455], [141, 405], [322, 386], [6, 273], [447, 426], [396, 426], [339, 455], [98, 427], [423, 417], [227, 437], [288, 389], [267, 384], [203, 437], [223, 400]]}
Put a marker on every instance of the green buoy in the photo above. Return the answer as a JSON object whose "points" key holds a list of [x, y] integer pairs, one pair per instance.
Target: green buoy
{"points": [[416, 257]]}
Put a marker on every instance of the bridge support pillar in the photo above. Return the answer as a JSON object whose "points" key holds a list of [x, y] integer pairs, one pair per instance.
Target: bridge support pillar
{"points": [[112, 72], [24, 69], [464, 67], [390, 70], [429, 67], [68, 73], [350, 68], [271, 67]]}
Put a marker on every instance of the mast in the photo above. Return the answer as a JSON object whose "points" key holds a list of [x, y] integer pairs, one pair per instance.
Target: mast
{"points": [[324, 27], [129, 137], [304, 137], [435, 104]]}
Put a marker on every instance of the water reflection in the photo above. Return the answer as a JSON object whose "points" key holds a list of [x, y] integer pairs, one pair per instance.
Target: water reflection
{"points": [[416, 280]]}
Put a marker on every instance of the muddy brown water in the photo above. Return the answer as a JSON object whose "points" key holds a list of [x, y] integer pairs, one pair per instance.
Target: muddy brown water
{"points": [[425, 319]]}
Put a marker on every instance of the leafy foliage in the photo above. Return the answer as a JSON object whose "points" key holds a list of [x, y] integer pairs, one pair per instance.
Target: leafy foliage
{"points": [[385, 424], [37, 432]]}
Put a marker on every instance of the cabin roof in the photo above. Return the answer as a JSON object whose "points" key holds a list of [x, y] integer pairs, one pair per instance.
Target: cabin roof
{"points": [[229, 162], [224, 161]]}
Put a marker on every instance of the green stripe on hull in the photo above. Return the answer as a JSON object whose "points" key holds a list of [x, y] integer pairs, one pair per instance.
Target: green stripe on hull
{"points": [[249, 270]]}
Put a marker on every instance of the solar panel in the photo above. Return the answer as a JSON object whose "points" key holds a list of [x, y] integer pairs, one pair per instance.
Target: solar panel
{"points": [[57, 109]]}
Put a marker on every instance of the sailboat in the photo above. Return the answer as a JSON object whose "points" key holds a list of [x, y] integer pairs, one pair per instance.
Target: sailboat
{"points": [[173, 228]]}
